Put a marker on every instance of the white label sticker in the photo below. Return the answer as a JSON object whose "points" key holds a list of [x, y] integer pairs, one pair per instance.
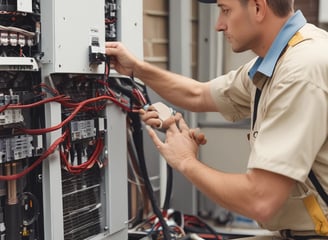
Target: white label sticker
{"points": [[24, 5]]}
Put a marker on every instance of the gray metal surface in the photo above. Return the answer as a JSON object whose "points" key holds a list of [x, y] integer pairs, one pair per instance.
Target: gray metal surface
{"points": [[67, 28]]}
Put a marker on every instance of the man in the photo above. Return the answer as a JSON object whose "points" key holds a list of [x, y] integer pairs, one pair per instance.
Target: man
{"points": [[289, 114]]}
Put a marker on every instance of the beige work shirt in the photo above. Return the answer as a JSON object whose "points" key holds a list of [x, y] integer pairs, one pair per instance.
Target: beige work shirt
{"points": [[290, 133]]}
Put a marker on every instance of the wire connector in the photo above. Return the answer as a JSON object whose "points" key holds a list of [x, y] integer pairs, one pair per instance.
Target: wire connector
{"points": [[164, 112]]}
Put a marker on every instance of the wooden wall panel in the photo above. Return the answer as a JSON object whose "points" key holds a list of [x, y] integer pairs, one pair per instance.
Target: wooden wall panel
{"points": [[156, 42], [310, 9], [156, 33]]}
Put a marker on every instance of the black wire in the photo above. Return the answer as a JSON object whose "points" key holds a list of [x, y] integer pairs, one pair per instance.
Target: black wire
{"points": [[31, 197], [138, 140], [144, 91], [169, 180], [133, 158], [169, 183], [134, 222]]}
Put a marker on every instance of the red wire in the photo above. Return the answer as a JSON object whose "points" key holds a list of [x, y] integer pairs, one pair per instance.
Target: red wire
{"points": [[62, 99], [86, 165], [110, 91], [68, 119], [139, 96], [47, 100], [108, 21], [3, 108], [53, 90], [49, 151]]}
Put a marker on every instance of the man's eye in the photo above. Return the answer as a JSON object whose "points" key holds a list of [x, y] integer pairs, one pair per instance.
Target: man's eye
{"points": [[225, 11]]}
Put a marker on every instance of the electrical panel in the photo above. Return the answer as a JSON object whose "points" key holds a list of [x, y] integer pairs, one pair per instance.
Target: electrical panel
{"points": [[63, 157]]}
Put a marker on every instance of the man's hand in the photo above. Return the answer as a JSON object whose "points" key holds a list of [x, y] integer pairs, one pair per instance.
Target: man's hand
{"points": [[158, 116], [120, 58], [181, 144]]}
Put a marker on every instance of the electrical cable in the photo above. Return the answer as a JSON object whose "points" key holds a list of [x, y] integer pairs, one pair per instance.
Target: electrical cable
{"points": [[138, 139], [32, 203], [196, 225], [4, 107], [169, 186], [68, 119], [62, 99], [81, 106], [46, 154], [77, 169], [144, 99], [169, 179], [59, 98], [136, 171]]}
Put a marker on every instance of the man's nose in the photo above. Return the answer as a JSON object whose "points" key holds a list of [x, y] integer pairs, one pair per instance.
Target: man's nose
{"points": [[220, 25]]}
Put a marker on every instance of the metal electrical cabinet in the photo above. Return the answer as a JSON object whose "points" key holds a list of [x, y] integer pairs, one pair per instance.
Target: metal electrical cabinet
{"points": [[63, 165]]}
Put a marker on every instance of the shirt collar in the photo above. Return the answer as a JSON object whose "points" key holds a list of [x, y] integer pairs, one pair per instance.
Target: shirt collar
{"points": [[267, 64]]}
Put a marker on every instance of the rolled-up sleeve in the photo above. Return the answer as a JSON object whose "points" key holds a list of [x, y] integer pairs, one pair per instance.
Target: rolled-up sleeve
{"points": [[232, 94]]}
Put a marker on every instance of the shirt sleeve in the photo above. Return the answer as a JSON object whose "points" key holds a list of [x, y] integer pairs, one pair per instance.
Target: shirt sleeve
{"points": [[232, 94]]}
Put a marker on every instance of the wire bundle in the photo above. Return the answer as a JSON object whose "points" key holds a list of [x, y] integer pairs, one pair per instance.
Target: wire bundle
{"points": [[94, 104]]}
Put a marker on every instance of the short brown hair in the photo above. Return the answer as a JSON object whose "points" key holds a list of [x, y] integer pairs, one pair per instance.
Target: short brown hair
{"points": [[280, 8]]}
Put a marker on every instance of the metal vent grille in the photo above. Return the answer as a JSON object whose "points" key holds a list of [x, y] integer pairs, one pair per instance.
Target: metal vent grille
{"points": [[81, 204]]}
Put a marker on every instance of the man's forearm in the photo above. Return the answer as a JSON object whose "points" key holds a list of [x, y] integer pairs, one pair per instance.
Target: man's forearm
{"points": [[178, 90], [257, 194]]}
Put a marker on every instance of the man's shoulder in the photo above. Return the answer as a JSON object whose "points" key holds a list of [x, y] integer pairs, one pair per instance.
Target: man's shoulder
{"points": [[309, 41], [310, 31]]}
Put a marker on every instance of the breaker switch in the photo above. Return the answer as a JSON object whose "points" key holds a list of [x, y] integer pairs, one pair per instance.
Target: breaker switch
{"points": [[95, 55]]}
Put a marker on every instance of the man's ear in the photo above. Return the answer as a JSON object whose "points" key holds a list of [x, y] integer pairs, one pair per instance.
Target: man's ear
{"points": [[259, 9]]}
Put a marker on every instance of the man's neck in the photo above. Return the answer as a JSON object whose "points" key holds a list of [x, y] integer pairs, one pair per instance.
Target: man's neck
{"points": [[270, 30]]}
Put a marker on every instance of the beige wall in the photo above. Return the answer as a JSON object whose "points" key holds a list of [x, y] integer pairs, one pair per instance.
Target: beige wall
{"points": [[309, 8], [156, 40], [156, 33], [194, 38]]}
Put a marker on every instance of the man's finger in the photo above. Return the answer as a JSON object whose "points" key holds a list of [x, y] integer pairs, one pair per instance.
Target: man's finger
{"points": [[182, 125], [171, 124], [198, 136], [201, 139], [158, 143]]}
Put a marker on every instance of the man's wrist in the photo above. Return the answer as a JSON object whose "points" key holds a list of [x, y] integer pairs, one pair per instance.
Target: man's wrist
{"points": [[138, 69], [187, 166]]}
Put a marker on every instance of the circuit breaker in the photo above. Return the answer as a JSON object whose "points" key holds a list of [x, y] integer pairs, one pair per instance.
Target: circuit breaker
{"points": [[63, 165]]}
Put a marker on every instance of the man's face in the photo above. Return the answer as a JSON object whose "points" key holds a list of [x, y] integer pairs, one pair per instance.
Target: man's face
{"points": [[235, 21]]}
